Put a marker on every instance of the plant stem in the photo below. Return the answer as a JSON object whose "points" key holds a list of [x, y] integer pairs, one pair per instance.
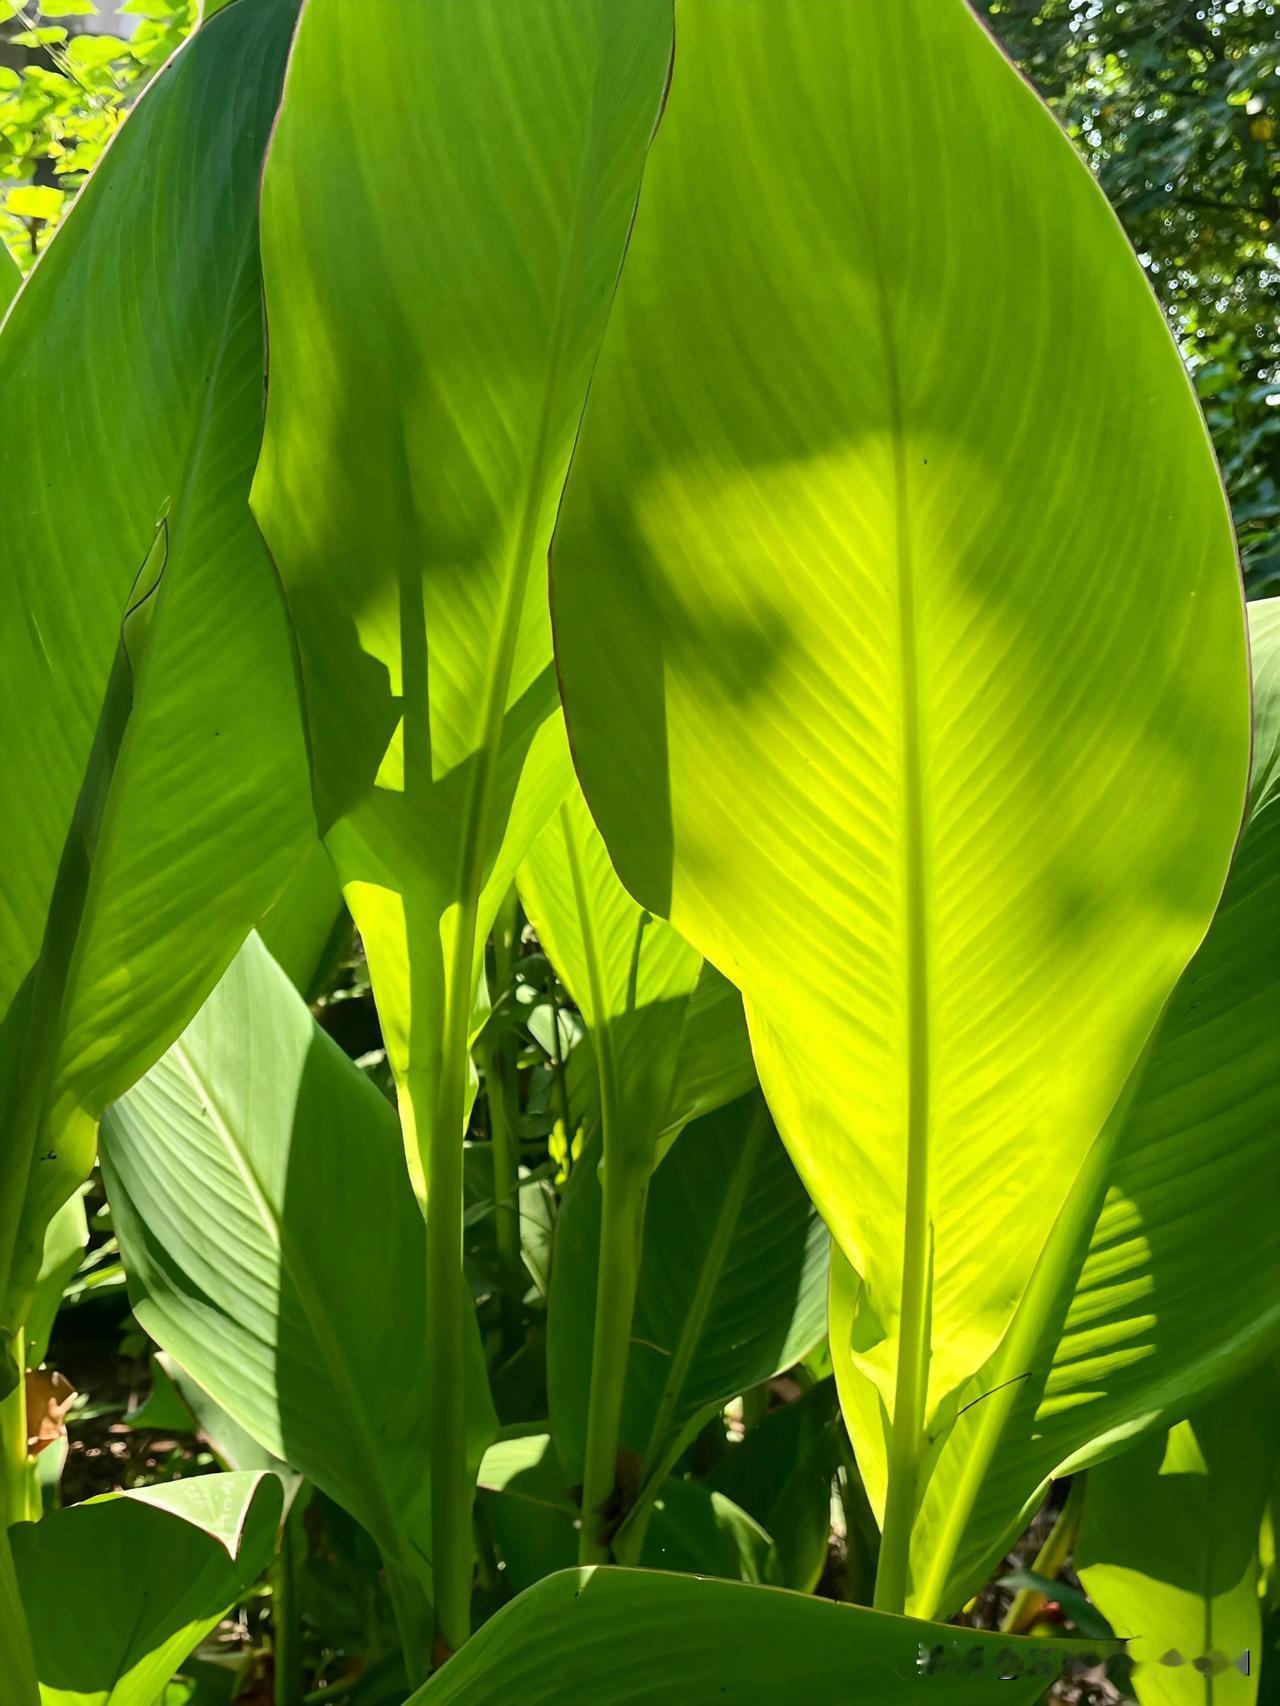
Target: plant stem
{"points": [[911, 1383], [448, 1299], [286, 1647], [494, 1062], [624, 1191], [1017, 1357], [413, 1621], [18, 1684], [1050, 1559], [17, 1480]]}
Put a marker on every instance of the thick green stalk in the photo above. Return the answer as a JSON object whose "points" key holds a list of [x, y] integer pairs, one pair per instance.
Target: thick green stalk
{"points": [[448, 1299], [624, 1192], [286, 1644], [911, 1384], [413, 1621], [16, 1486], [1017, 1355], [18, 1684]]}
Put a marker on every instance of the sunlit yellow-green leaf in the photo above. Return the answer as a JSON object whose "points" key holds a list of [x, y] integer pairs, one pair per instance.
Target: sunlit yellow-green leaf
{"points": [[901, 641], [1127, 1322]]}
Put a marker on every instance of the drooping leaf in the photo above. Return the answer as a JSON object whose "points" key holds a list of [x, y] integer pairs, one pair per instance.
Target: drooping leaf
{"points": [[119, 1590], [900, 639], [155, 799], [646, 1638], [1169, 1549], [232, 1170], [1162, 1280], [732, 1283]]}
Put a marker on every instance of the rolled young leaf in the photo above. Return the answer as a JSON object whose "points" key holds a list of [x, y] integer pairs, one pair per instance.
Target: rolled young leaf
{"points": [[646, 1638], [1127, 1323], [1168, 1549], [901, 643], [430, 354], [119, 1590], [231, 1170], [154, 799]]}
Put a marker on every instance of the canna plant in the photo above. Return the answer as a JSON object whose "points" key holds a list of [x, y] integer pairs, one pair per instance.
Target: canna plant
{"points": [[896, 895]]}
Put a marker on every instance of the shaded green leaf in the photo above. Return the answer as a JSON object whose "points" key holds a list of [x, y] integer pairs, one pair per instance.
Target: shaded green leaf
{"points": [[119, 1590]]}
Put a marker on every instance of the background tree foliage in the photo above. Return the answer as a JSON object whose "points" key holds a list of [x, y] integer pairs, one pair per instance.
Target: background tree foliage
{"points": [[1173, 102], [1176, 106], [67, 80]]}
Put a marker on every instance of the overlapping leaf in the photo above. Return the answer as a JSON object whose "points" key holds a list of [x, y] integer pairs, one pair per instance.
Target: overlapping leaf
{"points": [[164, 794], [1162, 1280], [646, 1638], [900, 638], [732, 1282], [119, 1590], [1168, 1549], [631, 975], [416, 445], [232, 1169]]}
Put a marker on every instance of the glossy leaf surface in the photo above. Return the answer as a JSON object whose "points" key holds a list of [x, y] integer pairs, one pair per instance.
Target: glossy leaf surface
{"points": [[646, 1638]]}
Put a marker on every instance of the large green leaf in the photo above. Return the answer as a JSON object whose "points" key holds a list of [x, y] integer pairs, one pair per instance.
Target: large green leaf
{"points": [[1168, 1549], [900, 637], [645, 1638], [232, 1170], [430, 354], [163, 792], [1162, 1278], [732, 1284], [119, 1590], [417, 440]]}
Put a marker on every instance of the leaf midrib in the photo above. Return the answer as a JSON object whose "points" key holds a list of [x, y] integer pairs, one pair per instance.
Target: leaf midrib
{"points": [[317, 1318], [714, 1258]]}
